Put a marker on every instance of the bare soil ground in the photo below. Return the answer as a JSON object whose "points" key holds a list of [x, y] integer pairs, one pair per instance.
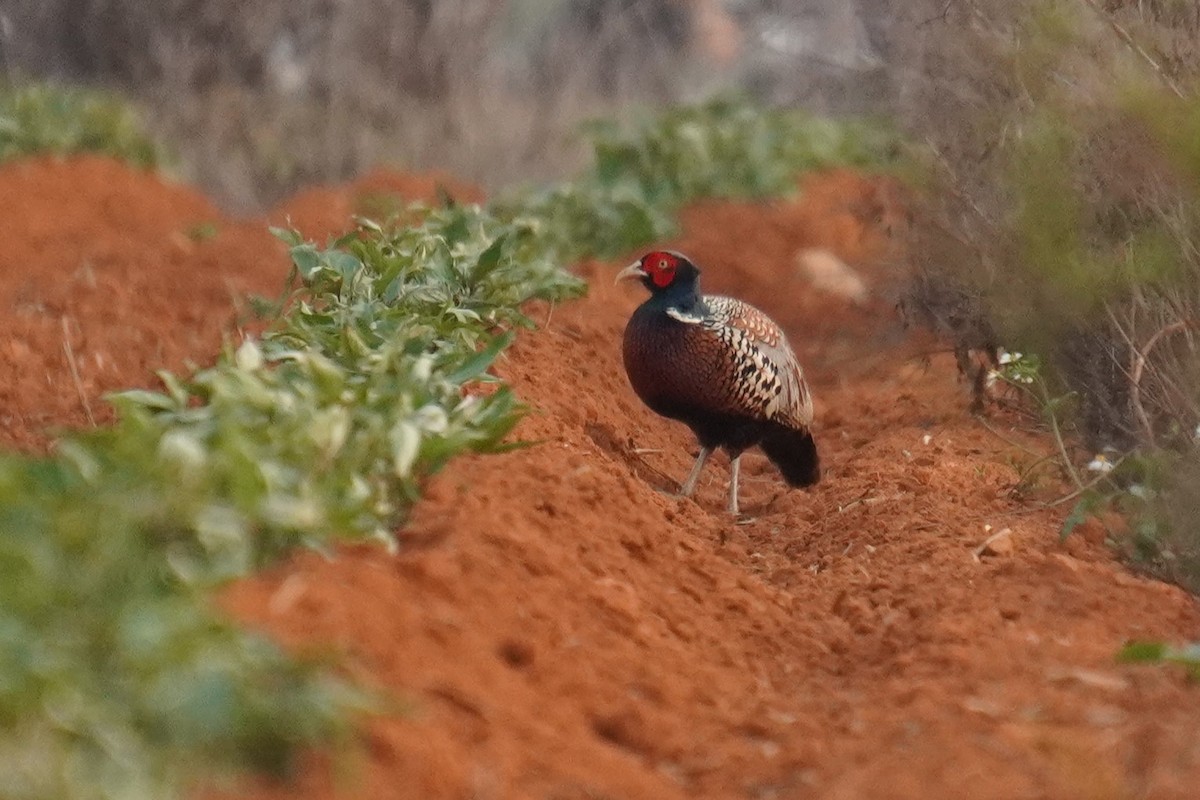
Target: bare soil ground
{"points": [[557, 626]]}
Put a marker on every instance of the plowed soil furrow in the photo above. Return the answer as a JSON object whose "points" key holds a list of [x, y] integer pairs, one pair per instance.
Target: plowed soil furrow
{"points": [[557, 626]]}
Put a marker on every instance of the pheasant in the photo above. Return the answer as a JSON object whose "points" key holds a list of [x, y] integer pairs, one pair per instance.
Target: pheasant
{"points": [[721, 367]]}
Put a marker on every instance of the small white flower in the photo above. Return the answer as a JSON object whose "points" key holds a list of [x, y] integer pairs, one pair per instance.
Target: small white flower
{"points": [[1009, 358], [926, 439], [1139, 491], [1100, 463]]}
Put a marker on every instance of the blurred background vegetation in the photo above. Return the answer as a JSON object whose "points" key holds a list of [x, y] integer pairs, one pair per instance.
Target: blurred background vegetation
{"points": [[1065, 222], [261, 97]]}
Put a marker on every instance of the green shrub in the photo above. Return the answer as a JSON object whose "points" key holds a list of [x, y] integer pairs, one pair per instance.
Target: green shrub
{"points": [[730, 148], [361, 390], [721, 149], [1079, 205], [38, 118]]}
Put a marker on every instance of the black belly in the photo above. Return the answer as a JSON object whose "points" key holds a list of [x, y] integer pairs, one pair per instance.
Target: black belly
{"points": [[728, 431]]}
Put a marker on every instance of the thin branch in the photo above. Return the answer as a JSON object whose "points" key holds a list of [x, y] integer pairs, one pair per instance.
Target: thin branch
{"points": [[956, 181], [1139, 366], [937, 17], [1129, 41], [1058, 437], [1035, 508], [1092, 484], [1011, 442], [864, 500]]}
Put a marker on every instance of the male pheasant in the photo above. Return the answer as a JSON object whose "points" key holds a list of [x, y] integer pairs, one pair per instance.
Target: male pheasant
{"points": [[723, 368]]}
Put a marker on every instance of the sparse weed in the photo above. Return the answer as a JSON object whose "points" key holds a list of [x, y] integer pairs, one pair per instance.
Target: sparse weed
{"points": [[203, 231]]}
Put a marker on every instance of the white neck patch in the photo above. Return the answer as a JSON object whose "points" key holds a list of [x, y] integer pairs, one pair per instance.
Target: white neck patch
{"points": [[683, 316]]}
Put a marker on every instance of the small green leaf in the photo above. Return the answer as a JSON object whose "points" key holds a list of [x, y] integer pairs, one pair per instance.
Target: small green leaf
{"points": [[368, 225], [156, 401], [489, 259], [1142, 652], [304, 256], [479, 362], [1160, 653], [203, 231], [406, 444], [347, 264], [456, 230], [1087, 506]]}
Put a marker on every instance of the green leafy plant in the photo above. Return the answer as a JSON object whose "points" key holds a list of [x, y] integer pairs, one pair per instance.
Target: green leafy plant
{"points": [[731, 148], [40, 118], [116, 679], [725, 148], [359, 392]]}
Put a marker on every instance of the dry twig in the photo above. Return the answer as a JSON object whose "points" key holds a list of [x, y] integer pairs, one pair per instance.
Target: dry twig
{"points": [[1139, 366], [74, 367], [1129, 41]]}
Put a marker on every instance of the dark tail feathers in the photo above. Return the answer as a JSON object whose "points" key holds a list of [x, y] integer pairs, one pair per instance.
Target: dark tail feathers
{"points": [[795, 453]]}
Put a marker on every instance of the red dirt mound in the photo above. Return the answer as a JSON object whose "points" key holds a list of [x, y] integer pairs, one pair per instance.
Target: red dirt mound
{"points": [[555, 626], [108, 274], [326, 211]]}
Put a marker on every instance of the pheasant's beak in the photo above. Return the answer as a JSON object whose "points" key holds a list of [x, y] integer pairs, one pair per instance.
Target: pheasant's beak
{"points": [[634, 270]]}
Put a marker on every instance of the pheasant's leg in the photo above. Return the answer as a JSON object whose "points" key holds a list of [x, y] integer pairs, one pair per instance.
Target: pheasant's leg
{"points": [[693, 477], [734, 467]]}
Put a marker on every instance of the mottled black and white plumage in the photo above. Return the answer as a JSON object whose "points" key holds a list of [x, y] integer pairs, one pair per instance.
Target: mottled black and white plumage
{"points": [[723, 368]]}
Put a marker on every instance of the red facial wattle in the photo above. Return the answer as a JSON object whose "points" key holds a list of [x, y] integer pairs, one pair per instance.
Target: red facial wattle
{"points": [[661, 268]]}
